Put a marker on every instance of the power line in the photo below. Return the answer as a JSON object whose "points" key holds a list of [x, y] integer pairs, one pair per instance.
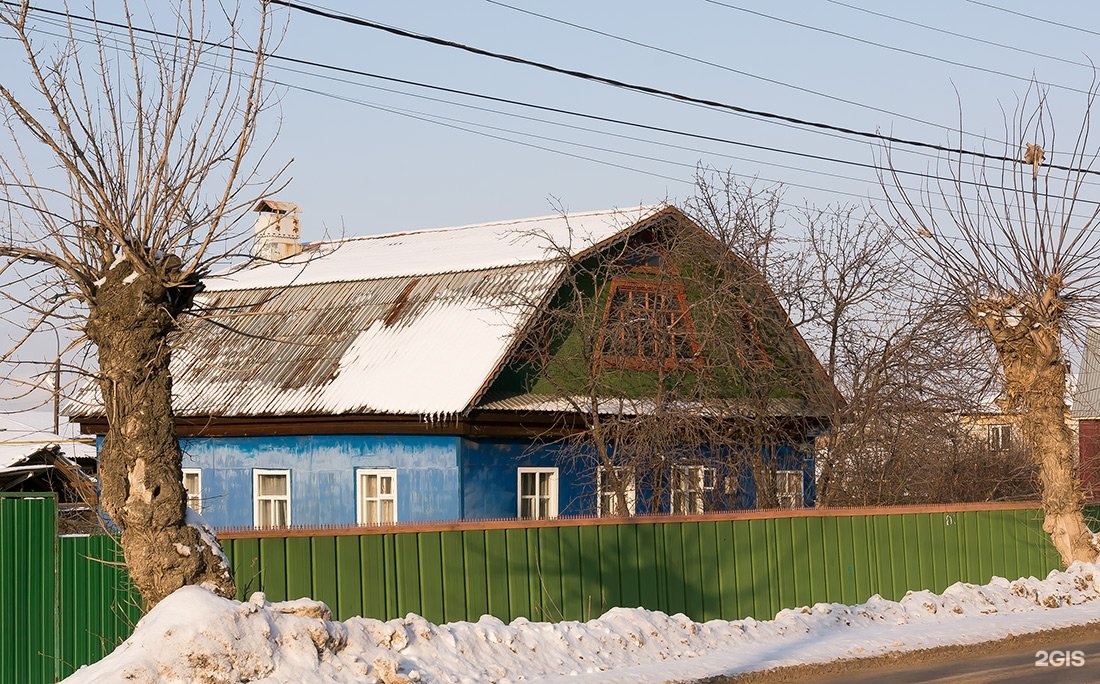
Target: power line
{"points": [[1035, 18], [454, 124], [725, 67], [923, 175], [885, 46], [664, 93], [947, 32]]}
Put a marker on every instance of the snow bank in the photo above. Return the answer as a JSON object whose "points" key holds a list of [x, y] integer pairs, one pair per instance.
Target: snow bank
{"points": [[195, 636]]}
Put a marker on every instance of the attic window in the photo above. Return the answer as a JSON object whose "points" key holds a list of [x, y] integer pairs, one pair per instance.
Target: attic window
{"points": [[647, 326]]}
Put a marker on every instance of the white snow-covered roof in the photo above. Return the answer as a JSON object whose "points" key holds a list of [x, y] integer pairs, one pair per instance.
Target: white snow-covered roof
{"points": [[442, 250], [19, 441], [412, 323]]}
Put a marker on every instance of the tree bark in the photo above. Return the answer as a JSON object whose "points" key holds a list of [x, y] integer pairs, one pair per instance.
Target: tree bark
{"points": [[1026, 336], [140, 465]]}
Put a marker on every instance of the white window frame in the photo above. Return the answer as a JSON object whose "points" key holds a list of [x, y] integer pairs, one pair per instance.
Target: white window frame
{"points": [[194, 499], [551, 496], [256, 499], [361, 499], [629, 491], [690, 484], [786, 495], [999, 436]]}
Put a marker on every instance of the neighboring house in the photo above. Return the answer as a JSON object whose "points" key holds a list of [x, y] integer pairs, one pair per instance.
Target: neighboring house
{"points": [[393, 378], [1086, 411], [34, 460]]}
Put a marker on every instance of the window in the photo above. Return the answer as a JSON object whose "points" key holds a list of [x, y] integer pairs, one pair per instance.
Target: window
{"points": [[616, 494], [192, 482], [788, 488], [1000, 437], [271, 496], [690, 484], [538, 493], [646, 326], [377, 498]]}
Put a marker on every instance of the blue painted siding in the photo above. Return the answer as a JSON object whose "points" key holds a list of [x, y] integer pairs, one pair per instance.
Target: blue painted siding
{"points": [[322, 475], [490, 478]]}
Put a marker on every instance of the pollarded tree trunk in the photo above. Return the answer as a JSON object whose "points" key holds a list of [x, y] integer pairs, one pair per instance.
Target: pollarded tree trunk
{"points": [[1027, 337], [140, 460]]}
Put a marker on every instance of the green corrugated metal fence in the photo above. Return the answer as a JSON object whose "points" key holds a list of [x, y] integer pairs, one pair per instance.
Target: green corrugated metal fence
{"points": [[64, 602], [717, 568], [28, 532], [96, 608]]}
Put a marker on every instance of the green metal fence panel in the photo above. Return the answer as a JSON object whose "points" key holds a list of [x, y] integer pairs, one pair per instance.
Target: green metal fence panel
{"points": [[74, 595], [348, 577], [500, 546], [454, 576], [431, 576], [97, 605], [28, 590]]}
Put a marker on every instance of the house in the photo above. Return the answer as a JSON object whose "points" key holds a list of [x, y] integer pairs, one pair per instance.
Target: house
{"points": [[36, 460], [1086, 411], [499, 370]]}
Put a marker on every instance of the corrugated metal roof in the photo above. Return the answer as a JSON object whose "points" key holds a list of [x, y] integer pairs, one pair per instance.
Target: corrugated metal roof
{"points": [[409, 323], [1086, 400], [408, 345], [442, 250]]}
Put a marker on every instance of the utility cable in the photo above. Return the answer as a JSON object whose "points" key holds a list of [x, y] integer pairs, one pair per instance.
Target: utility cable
{"points": [[936, 29], [727, 68], [884, 46], [1035, 18], [665, 93]]}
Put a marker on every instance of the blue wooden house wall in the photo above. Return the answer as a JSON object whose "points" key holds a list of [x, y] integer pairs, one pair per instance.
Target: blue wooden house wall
{"points": [[438, 477], [322, 475]]}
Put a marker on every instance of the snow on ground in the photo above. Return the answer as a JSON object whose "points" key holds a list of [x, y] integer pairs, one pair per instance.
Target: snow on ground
{"points": [[194, 636]]}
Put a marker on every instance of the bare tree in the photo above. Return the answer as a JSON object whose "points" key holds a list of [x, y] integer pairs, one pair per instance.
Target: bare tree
{"points": [[129, 153], [681, 374], [1010, 244]]}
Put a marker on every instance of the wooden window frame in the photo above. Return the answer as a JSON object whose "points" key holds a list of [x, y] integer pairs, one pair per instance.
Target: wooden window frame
{"points": [[257, 498], [551, 497], [630, 492], [671, 289], [194, 499], [361, 500], [790, 498], [690, 486], [999, 436]]}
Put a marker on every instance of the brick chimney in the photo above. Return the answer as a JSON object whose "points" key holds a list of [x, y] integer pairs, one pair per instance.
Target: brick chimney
{"points": [[277, 232]]}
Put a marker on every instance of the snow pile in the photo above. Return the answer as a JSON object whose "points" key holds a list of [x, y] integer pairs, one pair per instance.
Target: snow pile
{"points": [[195, 636]]}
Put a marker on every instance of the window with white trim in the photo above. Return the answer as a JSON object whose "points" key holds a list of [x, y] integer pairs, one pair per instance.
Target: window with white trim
{"points": [[788, 488], [271, 498], [616, 495], [1000, 437], [690, 484], [192, 482], [538, 493], [377, 496]]}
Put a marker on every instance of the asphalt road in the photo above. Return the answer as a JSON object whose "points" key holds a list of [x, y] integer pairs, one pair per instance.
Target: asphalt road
{"points": [[1072, 663], [1072, 656]]}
